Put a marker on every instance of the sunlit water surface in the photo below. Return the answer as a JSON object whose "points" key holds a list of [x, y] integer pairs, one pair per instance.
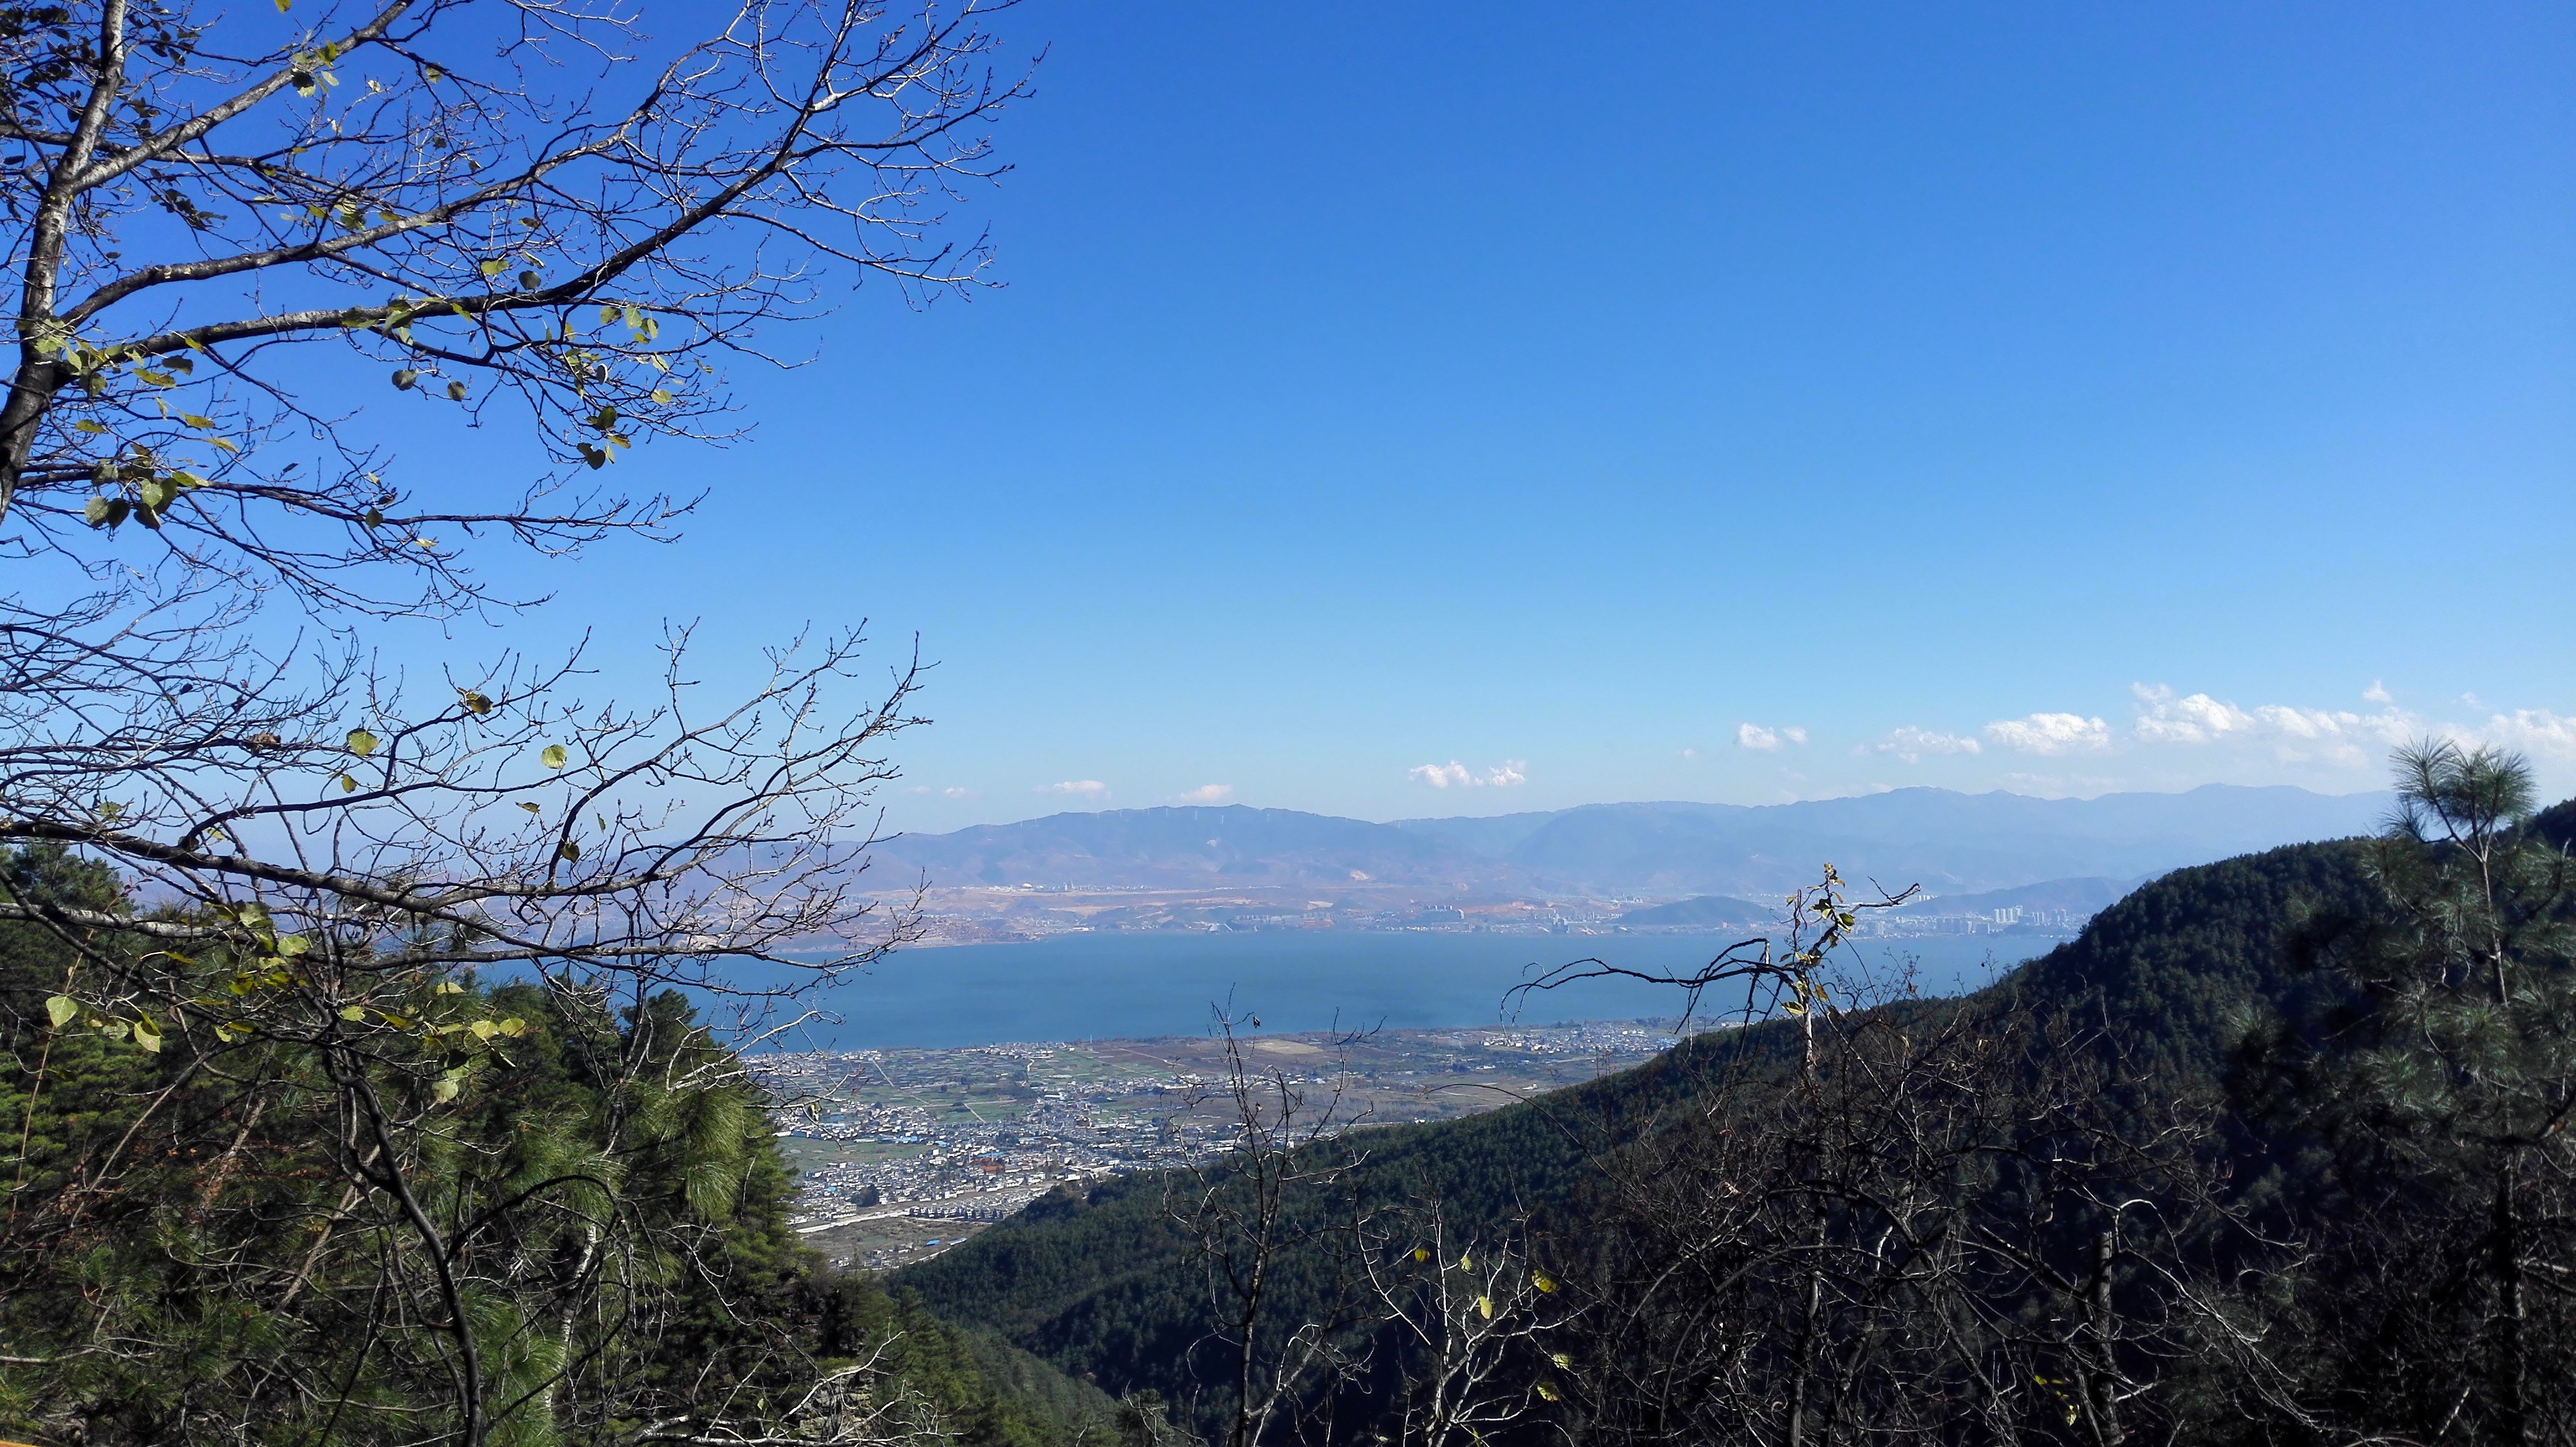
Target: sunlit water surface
{"points": [[1106, 986]]}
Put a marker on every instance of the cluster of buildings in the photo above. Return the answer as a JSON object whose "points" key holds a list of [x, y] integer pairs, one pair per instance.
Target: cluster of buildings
{"points": [[976, 1162], [1034, 911], [886, 1137], [2013, 919]]}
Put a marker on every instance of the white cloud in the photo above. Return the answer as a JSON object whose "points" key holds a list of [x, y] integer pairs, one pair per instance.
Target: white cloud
{"points": [[1690, 753], [2535, 729], [2377, 693], [948, 793], [1080, 788], [1205, 794], [1755, 736], [1454, 774], [2311, 723], [1911, 744], [2051, 733], [2199, 719], [2297, 735]]}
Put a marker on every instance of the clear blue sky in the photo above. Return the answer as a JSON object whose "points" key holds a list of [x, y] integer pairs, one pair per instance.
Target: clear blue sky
{"points": [[1558, 391]]}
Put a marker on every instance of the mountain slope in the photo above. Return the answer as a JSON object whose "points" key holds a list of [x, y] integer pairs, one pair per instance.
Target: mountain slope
{"points": [[1186, 848], [1949, 843], [1098, 1282]]}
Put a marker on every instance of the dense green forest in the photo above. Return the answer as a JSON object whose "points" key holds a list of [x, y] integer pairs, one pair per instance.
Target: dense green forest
{"points": [[2273, 1152], [204, 1241]]}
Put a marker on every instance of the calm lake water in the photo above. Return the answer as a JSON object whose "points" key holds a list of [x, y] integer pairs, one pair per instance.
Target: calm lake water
{"points": [[1104, 986]]}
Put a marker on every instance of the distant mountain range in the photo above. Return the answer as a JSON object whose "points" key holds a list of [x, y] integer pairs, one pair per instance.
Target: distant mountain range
{"points": [[1949, 843], [2079, 897]]}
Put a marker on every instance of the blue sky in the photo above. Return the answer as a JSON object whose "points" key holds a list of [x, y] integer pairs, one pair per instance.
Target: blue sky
{"points": [[1730, 403]]}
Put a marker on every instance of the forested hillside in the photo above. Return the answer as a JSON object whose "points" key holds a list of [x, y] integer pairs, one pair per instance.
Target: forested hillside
{"points": [[2272, 1152], [1106, 1283], [203, 1242]]}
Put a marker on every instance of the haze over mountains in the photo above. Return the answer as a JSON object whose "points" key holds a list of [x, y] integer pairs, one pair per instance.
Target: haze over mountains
{"points": [[1950, 843]]}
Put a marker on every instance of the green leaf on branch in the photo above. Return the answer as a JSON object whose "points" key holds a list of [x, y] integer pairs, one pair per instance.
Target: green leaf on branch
{"points": [[147, 1034], [405, 378], [106, 512], [362, 743], [554, 757], [455, 391], [348, 785], [530, 281], [568, 852], [475, 703], [490, 268], [61, 1009], [531, 808]]}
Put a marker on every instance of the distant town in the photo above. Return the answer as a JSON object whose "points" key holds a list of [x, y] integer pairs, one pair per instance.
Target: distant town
{"points": [[901, 1154], [992, 914]]}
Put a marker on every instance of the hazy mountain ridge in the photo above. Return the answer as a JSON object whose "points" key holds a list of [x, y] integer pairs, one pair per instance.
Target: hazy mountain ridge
{"points": [[2082, 897], [1701, 911], [1952, 844], [2087, 896], [1193, 847], [1948, 842]]}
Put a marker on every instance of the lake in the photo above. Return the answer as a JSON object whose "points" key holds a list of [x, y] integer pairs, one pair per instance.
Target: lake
{"points": [[1108, 986]]}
